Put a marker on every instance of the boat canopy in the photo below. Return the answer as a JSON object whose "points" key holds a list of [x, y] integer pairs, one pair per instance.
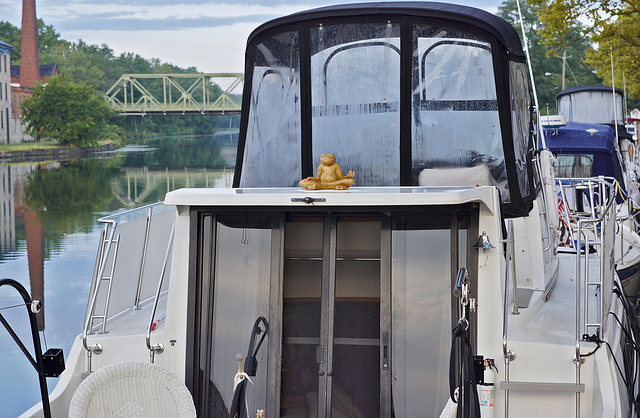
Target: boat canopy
{"points": [[592, 104], [585, 150], [404, 94]]}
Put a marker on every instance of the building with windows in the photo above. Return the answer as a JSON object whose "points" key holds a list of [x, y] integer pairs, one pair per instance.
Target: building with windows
{"points": [[19, 92], [5, 91], [21, 79]]}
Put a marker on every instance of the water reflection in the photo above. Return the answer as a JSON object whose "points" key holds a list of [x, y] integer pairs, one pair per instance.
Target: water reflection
{"points": [[49, 234]]}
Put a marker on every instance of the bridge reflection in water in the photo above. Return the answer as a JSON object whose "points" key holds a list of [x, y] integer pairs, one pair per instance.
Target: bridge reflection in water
{"points": [[177, 94], [135, 187]]}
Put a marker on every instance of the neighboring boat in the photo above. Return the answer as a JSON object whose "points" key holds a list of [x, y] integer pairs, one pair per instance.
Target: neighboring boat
{"points": [[604, 106], [589, 150], [435, 276], [593, 104], [595, 142]]}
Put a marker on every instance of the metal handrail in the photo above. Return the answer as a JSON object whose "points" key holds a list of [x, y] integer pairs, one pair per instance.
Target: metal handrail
{"points": [[136, 303], [158, 348], [508, 354], [111, 224], [109, 218], [92, 305], [546, 205], [590, 183], [579, 297]]}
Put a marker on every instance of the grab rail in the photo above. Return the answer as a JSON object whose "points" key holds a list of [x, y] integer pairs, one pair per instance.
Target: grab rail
{"points": [[508, 354], [111, 223], [546, 204], [598, 202], [159, 348], [602, 206], [92, 305], [136, 303], [581, 309]]}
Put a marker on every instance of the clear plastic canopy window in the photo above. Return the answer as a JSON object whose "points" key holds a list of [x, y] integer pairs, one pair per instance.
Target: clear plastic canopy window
{"points": [[272, 150], [355, 107], [571, 165], [355, 98], [591, 107], [456, 126]]}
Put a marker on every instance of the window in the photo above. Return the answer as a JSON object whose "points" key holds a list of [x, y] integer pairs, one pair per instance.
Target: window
{"points": [[596, 106], [456, 126], [355, 96], [520, 120], [569, 165], [272, 150]]}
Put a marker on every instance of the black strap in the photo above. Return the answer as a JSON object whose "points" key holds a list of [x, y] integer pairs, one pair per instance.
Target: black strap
{"points": [[462, 374], [251, 363], [255, 332]]}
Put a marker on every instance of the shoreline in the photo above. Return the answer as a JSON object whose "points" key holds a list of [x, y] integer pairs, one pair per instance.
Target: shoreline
{"points": [[58, 153]]}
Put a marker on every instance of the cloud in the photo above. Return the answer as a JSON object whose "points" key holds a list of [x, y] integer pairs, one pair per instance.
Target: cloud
{"points": [[137, 24], [207, 34], [140, 17]]}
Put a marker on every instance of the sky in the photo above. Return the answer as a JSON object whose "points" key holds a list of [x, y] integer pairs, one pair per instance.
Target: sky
{"points": [[209, 35]]}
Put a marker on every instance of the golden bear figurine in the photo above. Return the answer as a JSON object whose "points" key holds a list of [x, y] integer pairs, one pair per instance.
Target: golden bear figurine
{"points": [[329, 176]]}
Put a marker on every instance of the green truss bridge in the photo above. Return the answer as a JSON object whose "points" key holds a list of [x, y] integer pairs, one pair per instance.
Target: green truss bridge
{"points": [[177, 94]]}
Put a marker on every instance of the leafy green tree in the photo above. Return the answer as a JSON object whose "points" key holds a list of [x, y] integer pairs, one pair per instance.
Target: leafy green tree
{"points": [[547, 70], [613, 26], [69, 112], [48, 41], [618, 43], [81, 67], [11, 35]]}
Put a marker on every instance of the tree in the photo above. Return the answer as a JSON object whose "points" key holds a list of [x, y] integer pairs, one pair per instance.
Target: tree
{"points": [[613, 26], [81, 67], [11, 35], [48, 41], [69, 112], [547, 71]]}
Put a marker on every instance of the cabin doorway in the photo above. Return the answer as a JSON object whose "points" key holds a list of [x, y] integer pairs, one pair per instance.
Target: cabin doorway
{"points": [[359, 305], [333, 317]]}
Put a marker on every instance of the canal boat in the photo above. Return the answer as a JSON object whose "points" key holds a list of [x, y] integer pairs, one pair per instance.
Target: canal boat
{"points": [[431, 286]]}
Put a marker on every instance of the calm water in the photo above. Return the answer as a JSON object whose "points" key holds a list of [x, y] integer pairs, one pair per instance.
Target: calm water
{"points": [[49, 236]]}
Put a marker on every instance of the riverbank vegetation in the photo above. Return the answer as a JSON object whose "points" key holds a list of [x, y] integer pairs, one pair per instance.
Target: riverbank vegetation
{"points": [[70, 112], [97, 67]]}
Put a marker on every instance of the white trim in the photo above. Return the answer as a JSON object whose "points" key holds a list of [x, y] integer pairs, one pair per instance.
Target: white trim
{"points": [[354, 197]]}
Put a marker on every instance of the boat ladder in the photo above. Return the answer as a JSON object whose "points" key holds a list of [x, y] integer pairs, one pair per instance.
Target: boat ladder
{"points": [[107, 255], [107, 262], [107, 252]]}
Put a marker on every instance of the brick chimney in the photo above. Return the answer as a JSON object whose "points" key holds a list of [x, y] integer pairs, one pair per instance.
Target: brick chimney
{"points": [[29, 60]]}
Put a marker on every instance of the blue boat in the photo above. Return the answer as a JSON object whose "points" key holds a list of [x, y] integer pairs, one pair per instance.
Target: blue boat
{"points": [[586, 150]]}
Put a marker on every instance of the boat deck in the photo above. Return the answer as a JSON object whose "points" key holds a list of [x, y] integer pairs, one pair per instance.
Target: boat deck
{"points": [[132, 321]]}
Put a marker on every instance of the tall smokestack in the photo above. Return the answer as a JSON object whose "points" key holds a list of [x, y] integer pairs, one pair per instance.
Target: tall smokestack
{"points": [[29, 60]]}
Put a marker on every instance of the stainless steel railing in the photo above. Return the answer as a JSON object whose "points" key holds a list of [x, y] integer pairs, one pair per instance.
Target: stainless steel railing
{"points": [[106, 266], [507, 353], [592, 231], [159, 348]]}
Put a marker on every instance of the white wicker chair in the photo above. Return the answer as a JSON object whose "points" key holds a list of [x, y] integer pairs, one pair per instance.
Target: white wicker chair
{"points": [[132, 389]]}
